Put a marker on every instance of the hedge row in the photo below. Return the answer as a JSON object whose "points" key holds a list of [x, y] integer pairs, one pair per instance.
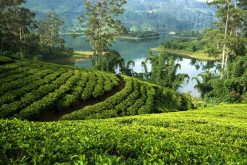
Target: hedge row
{"points": [[31, 89], [136, 98], [215, 135], [76, 92], [23, 82], [10, 69], [13, 95], [90, 85], [20, 74], [5, 60], [28, 89], [8, 110], [108, 104], [36, 108]]}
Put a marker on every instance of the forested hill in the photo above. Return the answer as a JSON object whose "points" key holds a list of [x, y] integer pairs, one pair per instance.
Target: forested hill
{"points": [[158, 15]]}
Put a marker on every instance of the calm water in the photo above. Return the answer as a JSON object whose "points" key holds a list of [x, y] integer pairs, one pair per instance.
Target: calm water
{"points": [[138, 51]]}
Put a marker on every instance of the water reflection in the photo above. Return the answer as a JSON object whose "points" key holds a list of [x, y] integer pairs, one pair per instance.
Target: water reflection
{"points": [[192, 67]]}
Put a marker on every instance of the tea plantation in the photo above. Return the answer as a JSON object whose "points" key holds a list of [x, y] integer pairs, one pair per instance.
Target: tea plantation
{"points": [[40, 91], [209, 136], [32, 93]]}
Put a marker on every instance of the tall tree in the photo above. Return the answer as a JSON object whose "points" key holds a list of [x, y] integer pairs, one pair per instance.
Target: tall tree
{"points": [[102, 24], [51, 44], [231, 15], [15, 26], [48, 31]]}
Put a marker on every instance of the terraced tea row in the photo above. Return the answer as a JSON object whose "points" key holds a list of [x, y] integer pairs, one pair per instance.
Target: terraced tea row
{"points": [[29, 89], [5, 60], [136, 98], [37, 90]]}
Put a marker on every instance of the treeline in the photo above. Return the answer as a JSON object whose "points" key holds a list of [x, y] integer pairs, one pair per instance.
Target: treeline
{"points": [[23, 36]]}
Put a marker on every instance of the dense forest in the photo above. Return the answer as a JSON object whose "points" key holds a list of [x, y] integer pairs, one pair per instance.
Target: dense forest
{"points": [[109, 113]]}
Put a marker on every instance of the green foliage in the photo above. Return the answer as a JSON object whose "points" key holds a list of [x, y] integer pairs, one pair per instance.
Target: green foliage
{"points": [[228, 90], [244, 100], [238, 67], [102, 24], [5, 60], [163, 71], [51, 44], [36, 88], [203, 43], [29, 89], [16, 25], [193, 137], [110, 61], [204, 82], [24, 37], [175, 44], [212, 41], [136, 98], [228, 32], [139, 14]]}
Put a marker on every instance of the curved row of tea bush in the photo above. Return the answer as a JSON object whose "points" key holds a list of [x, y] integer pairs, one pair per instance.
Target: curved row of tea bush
{"points": [[136, 98], [5, 60], [215, 135], [28, 89]]}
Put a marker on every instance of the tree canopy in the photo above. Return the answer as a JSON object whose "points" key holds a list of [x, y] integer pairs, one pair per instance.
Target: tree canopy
{"points": [[102, 24], [16, 26]]}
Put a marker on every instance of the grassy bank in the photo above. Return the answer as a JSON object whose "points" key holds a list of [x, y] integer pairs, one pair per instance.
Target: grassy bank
{"points": [[185, 53], [208, 136], [82, 54], [136, 38]]}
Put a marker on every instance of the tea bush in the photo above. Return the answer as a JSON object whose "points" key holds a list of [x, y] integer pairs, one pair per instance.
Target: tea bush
{"points": [[215, 135], [30, 90]]}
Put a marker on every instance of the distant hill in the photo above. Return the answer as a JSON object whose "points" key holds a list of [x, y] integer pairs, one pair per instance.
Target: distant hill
{"points": [[158, 15]]}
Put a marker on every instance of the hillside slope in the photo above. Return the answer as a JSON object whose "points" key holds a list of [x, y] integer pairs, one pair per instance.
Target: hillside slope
{"points": [[158, 15], [40, 91], [209, 136]]}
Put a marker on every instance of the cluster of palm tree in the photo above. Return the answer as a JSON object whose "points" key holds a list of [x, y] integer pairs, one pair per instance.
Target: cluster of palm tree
{"points": [[163, 68], [163, 71]]}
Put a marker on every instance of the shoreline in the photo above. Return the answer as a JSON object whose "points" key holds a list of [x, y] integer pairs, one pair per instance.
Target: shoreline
{"points": [[136, 38], [117, 37], [195, 55]]}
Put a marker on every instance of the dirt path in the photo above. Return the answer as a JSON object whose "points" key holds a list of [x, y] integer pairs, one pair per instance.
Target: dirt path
{"points": [[53, 114]]}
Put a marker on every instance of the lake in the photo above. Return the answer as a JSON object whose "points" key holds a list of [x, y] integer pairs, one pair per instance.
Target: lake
{"points": [[137, 50]]}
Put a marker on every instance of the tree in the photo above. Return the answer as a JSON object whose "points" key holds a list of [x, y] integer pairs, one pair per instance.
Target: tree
{"points": [[163, 71], [102, 24], [204, 84], [16, 24], [111, 61], [48, 31], [50, 42], [231, 15]]}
